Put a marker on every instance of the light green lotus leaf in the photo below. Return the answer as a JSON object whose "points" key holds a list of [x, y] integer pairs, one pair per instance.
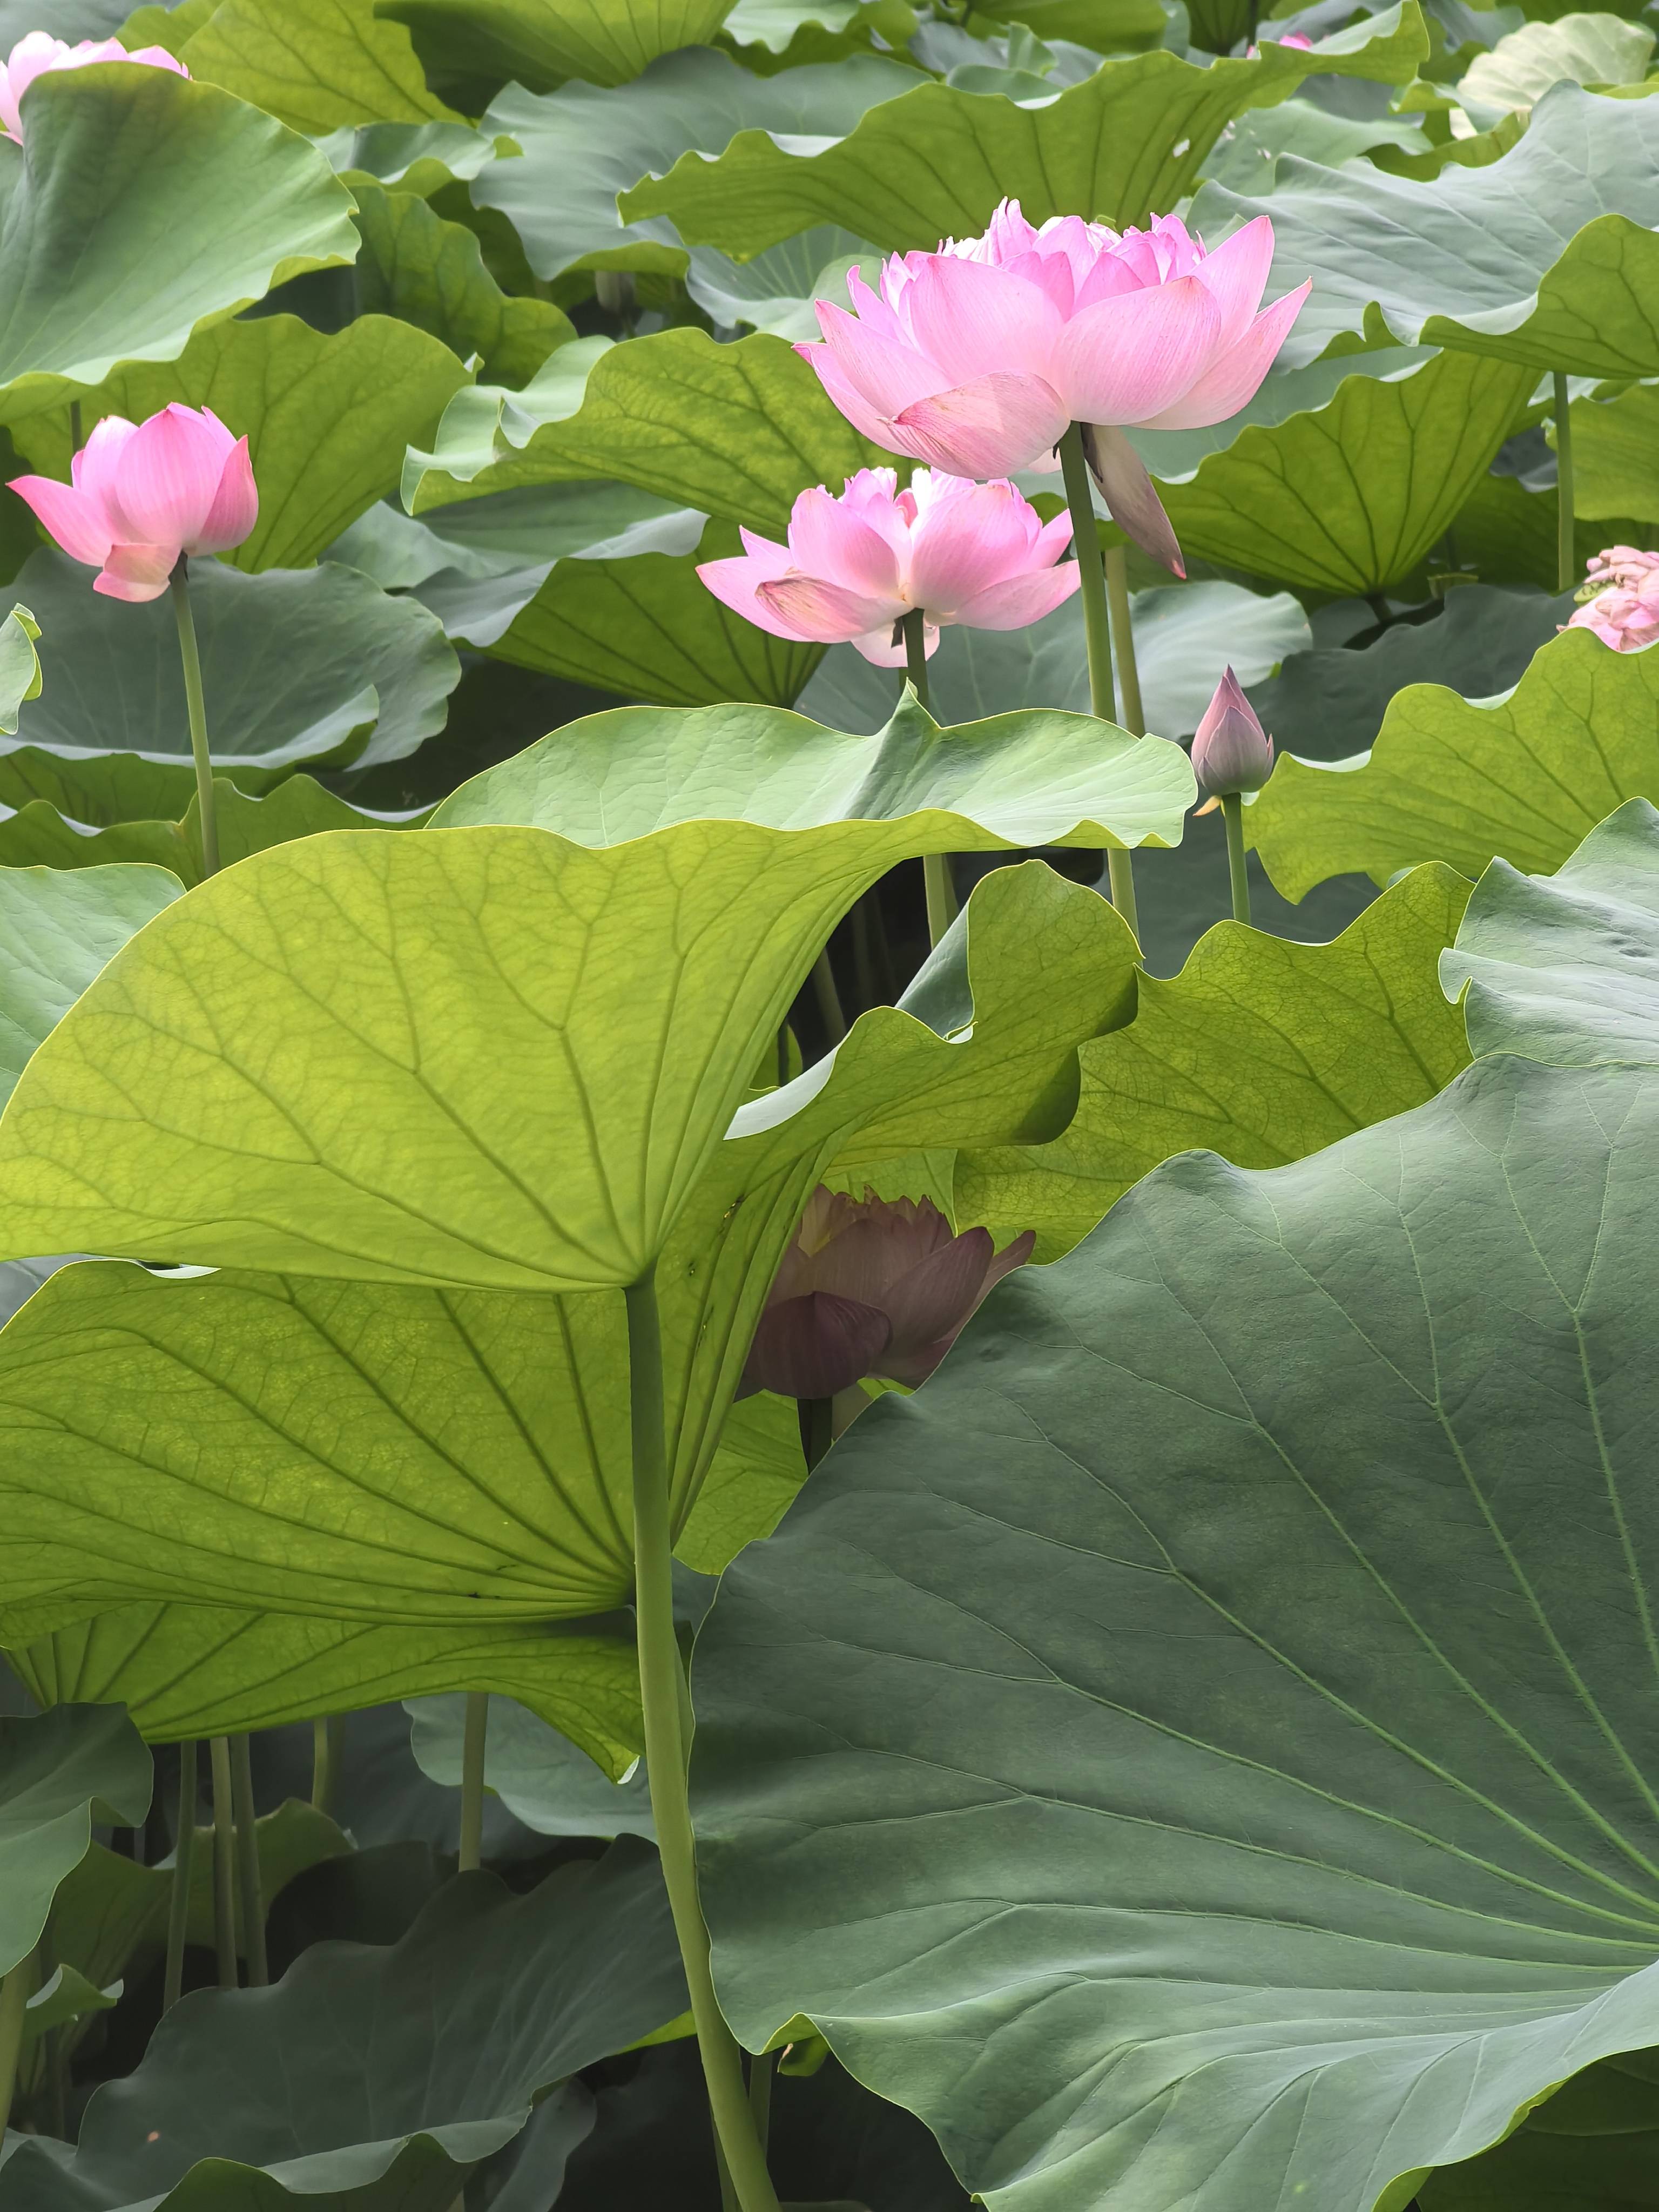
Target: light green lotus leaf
{"points": [[539, 43], [759, 1465], [1261, 1049], [59, 1773], [141, 207], [411, 157], [1246, 156], [497, 536], [20, 666], [731, 430], [1615, 472], [327, 419], [1546, 257], [1575, 49], [539, 1774], [583, 145], [1126, 143], [58, 930], [1523, 780], [376, 2076], [1565, 968], [1189, 1699], [315, 65], [774, 292], [157, 23]]}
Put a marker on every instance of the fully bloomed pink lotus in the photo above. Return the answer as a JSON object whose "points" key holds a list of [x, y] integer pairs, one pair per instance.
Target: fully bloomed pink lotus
{"points": [[857, 564], [141, 493], [1625, 612], [33, 56], [978, 358]]}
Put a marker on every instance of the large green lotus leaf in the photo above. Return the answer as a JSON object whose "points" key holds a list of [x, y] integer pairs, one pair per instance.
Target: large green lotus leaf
{"points": [[184, 1670], [507, 531], [1261, 1049], [1247, 157], [315, 65], [327, 419], [1546, 257], [583, 146], [1350, 498], [539, 1774], [418, 267], [1525, 780], [414, 157], [1614, 471], [59, 1772], [1565, 968], [297, 665], [1577, 49], [1176, 1753], [733, 430], [142, 206], [1184, 639], [375, 2076], [1127, 142], [539, 43], [57, 930], [775, 291]]}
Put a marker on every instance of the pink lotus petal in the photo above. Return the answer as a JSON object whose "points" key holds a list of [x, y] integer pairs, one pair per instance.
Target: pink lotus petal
{"points": [[888, 375], [825, 613], [735, 582], [1052, 538], [828, 538], [1235, 378], [166, 477], [1124, 359], [935, 1295], [989, 427], [1130, 495], [137, 571], [235, 507], [1236, 276], [969, 319], [76, 520], [1020, 599], [961, 547], [842, 395], [812, 1346], [877, 647], [871, 310]]}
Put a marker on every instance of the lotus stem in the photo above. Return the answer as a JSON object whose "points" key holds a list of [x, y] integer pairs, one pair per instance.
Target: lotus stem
{"points": [[1232, 812], [1097, 631], [829, 998], [247, 1862], [1123, 640], [760, 2093], [474, 1743], [1567, 549], [667, 1708], [184, 1861], [224, 1863], [327, 1760], [193, 700], [935, 866], [15, 1990]]}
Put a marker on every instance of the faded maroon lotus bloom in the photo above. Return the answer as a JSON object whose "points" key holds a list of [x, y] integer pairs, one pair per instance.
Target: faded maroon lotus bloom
{"points": [[871, 1286], [1231, 752], [40, 53], [1621, 590]]}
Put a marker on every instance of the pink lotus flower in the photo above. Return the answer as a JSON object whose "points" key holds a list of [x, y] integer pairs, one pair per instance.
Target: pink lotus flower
{"points": [[871, 1288], [1298, 39], [978, 357], [1625, 611], [855, 564], [1231, 752], [32, 56], [142, 494]]}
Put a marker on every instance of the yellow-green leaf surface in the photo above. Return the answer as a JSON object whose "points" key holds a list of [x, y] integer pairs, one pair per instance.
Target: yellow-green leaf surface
{"points": [[1261, 1049], [326, 419], [541, 42], [143, 206], [19, 666], [39, 837], [1507, 534], [1615, 454], [58, 1772], [56, 931], [1125, 144], [1575, 49], [1525, 780], [315, 65]]}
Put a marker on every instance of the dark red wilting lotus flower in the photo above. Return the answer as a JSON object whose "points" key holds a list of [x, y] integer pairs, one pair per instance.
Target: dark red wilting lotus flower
{"points": [[871, 1286]]}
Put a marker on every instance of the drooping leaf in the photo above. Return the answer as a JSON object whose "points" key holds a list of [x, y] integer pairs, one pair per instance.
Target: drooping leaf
{"points": [[539, 43], [58, 1772], [583, 145], [1261, 1051], [1545, 257], [314, 65], [1189, 1698], [1523, 780], [537, 1773], [142, 207], [327, 419], [56, 931], [375, 2076], [1127, 141]]}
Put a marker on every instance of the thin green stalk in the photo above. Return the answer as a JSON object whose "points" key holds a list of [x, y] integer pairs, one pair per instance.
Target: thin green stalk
{"points": [[1566, 550], [15, 1991], [76, 440], [474, 1742], [1096, 631], [194, 702], [829, 998], [760, 2093], [247, 1862], [663, 1693], [935, 866], [327, 1759], [1232, 812], [1123, 640], [224, 1863], [184, 1860]]}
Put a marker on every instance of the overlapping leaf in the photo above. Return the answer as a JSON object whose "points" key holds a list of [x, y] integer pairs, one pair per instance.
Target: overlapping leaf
{"points": [[539, 43], [314, 65], [536, 1771], [56, 931], [57, 1773]]}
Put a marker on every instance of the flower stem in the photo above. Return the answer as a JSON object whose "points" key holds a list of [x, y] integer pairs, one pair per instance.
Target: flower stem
{"points": [[15, 1990], [1566, 551], [224, 1863], [247, 1862], [184, 1860], [1096, 631], [935, 866], [1123, 639], [193, 701], [474, 1743], [829, 998], [1232, 812], [760, 2093], [663, 1693], [327, 1758]]}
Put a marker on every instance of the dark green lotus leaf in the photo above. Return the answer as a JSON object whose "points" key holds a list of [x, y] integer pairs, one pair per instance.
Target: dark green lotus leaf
{"points": [[1615, 472], [59, 1773], [1176, 1753], [539, 43], [1506, 533], [57, 930], [374, 2075], [315, 65], [539, 1774], [1127, 142], [1546, 257], [144, 206], [1591, 2147]]}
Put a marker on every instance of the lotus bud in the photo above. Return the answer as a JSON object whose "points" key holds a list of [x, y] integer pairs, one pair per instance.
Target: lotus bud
{"points": [[1231, 752], [1619, 599]]}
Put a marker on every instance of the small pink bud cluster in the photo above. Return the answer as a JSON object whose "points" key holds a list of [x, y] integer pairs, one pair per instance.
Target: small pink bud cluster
{"points": [[1624, 612]]}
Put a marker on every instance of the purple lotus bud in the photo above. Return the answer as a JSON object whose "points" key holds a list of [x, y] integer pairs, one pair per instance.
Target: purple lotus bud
{"points": [[871, 1286], [1231, 752]]}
